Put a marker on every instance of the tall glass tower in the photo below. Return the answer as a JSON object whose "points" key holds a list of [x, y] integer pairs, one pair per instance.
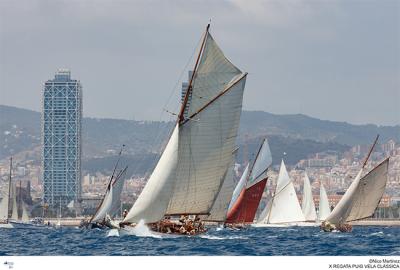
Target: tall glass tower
{"points": [[61, 138]]}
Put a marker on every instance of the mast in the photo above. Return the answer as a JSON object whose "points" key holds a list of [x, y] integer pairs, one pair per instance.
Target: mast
{"points": [[185, 100], [370, 151], [9, 189], [19, 197]]}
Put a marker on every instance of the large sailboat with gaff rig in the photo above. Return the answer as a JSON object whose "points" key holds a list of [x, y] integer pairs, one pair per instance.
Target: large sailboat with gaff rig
{"points": [[190, 173], [5, 205]]}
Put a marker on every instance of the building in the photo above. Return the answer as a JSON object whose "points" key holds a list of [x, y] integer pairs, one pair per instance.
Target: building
{"points": [[61, 139]]}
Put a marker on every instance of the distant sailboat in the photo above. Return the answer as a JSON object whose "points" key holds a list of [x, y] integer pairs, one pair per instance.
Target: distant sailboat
{"points": [[110, 204], [250, 188], [5, 204], [284, 207], [361, 198], [191, 170], [307, 204], [324, 206]]}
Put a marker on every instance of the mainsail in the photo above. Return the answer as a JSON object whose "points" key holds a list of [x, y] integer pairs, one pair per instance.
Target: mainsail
{"points": [[362, 197], [307, 204], [25, 216], [324, 207], [14, 214], [193, 166], [284, 207], [220, 207]]}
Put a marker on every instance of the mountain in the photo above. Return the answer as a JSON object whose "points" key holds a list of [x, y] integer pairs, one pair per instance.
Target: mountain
{"points": [[297, 135]]}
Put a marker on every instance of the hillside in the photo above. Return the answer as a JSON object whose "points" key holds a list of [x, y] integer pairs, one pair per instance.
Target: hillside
{"points": [[297, 135]]}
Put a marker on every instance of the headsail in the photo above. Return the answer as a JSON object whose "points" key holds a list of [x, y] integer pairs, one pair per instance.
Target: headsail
{"points": [[324, 206], [239, 187], [307, 204], [104, 207], [284, 206], [152, 203], [4, 208]]}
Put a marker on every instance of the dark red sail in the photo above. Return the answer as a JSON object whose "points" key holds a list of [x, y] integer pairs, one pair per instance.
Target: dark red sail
{"points": [[245, 208]]}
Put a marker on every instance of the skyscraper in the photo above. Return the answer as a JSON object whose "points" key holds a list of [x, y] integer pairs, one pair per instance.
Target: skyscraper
{"points": [[61, 138]]}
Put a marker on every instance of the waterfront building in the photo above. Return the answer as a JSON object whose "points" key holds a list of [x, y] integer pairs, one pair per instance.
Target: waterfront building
{"points": [[61, 139]]}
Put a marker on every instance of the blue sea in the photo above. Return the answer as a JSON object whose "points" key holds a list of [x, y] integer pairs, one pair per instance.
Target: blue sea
{"points": [[301, 241]]}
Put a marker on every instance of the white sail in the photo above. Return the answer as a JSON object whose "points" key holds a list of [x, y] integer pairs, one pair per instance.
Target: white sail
{"points": [[307, 204], [25, 216], [105, 206], [4, 208], [14, 214], [239, 187], [324, 206], [212, 76], [261, 164], [117, 191], [369, 192], [284, 206], [220, 207], [342, 210], [152, 203], [206, 143]]}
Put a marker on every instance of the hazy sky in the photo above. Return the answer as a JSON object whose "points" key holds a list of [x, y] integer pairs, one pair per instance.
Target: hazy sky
{"points": [[335, 60]]}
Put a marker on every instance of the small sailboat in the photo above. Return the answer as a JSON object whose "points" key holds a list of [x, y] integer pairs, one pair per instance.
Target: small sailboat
{"points": [[190, 173], [324, 208], [19, 221], [284, 208], [110, 204], [361, 198], [5, 204], [307, 204], [248, 193]]}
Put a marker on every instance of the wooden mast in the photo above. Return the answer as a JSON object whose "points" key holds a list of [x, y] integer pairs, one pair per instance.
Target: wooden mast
{"points": [[189, 89], [370, 151]]}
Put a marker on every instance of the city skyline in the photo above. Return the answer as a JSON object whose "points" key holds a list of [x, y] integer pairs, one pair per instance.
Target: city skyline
{"points": [[322, 59]]}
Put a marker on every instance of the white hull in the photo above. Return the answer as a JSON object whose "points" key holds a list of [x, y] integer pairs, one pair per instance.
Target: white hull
{"points": [[6, 225], [24, 225]]}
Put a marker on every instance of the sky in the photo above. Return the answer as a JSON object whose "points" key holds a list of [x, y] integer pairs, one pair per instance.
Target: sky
{"points": [[333, 60]]}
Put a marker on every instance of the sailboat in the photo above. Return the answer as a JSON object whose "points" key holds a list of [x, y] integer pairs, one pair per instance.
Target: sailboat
{"points": [[307, 204], [246, 198], [324, 206], [5, 204], [361, 198], [23, 220], [191, 170], [284, 208], [110, 204]]}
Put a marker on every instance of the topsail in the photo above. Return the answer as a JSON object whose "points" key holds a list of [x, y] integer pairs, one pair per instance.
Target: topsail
{"points": [[195, 162]]}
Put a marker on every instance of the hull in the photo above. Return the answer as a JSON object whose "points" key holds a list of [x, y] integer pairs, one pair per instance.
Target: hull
{"points": [[24, 225], [245, 208], [283, 225]]}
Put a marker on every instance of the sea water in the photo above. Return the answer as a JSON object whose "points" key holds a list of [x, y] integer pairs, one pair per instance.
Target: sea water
{"points": [[301, 241]]}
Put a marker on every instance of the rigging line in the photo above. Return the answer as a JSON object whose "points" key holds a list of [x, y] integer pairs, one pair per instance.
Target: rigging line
{"points": [[157, 138]]}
